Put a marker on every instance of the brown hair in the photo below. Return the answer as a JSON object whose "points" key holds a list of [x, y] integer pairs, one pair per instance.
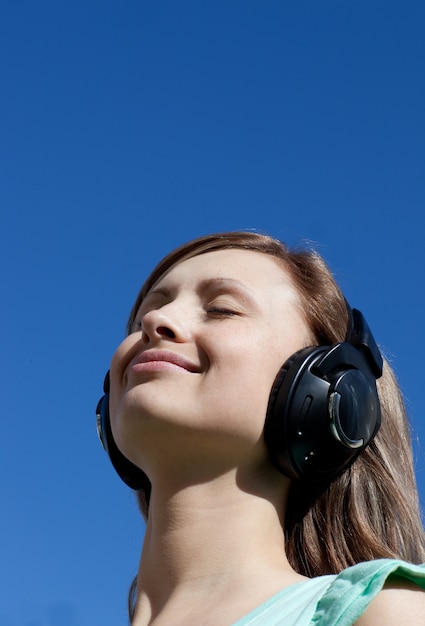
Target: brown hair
{"points": [[369, 511]]}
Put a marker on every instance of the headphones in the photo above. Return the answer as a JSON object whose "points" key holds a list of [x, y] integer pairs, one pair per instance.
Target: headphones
{"points": [[323, 409], [126, 470]]}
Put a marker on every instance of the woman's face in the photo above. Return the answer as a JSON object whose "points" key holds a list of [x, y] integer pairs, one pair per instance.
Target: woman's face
{"points": [[197, 370]]}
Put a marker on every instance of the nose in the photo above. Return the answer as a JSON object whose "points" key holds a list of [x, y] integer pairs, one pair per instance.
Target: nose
{"points": [[165, 323]]}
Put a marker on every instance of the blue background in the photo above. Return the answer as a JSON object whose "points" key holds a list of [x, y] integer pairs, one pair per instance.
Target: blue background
{"points": [[130, 127]]}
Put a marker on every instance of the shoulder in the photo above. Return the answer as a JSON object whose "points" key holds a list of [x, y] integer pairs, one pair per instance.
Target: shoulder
{"points": [[383, 592], [399, 603]]}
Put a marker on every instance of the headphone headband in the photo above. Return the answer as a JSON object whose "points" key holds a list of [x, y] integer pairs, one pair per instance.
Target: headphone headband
{"points": [[360, 335]]}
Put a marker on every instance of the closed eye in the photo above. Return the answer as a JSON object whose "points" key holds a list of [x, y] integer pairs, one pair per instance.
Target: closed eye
{"points": [[218, 310], [136, 326]]}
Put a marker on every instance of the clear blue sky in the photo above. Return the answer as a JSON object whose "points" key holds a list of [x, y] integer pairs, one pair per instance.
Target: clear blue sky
{"points": [[130, 127]]}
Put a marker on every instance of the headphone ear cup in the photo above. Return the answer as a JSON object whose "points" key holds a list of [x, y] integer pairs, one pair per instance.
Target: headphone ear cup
{"points": [[132, 475], [323, 411], [282, 425]]}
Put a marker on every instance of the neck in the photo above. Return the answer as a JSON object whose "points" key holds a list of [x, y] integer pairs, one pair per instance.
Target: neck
{"points": [[208, 540]]}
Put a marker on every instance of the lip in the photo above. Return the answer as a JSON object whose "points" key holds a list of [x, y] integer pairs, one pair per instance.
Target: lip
{"points": [[162, 360]]}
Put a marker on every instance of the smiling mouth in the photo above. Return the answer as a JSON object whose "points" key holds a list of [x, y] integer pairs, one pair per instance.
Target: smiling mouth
{"points": [[162, 360]]}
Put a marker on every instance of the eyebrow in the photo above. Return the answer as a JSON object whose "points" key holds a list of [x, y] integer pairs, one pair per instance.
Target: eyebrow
{"points": [[218, 283], [153, 293], [221, 283]]}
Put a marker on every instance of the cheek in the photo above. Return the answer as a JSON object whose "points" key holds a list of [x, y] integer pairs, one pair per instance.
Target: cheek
{"points": [[248, 372], [260, 361], [118, 381], [239, 387]]}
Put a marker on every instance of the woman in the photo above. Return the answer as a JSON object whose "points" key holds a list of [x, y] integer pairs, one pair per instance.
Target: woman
{"points": [[259, 472]]}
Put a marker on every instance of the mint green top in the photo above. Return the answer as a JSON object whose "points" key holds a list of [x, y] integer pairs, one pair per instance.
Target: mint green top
{"points": [[334, 600]]}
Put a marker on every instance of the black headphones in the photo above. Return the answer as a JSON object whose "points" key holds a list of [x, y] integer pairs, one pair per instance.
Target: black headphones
{"points": [[126, 470], [323, 409]]}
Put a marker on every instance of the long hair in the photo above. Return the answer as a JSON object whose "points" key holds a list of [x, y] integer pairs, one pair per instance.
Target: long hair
{"points": [[371, 510]]}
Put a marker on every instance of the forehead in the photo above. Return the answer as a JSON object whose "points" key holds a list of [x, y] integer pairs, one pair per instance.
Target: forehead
{"points": [[253, 269]]}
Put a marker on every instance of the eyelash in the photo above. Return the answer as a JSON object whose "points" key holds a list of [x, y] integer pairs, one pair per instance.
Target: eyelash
{"points": [[215, 310], [136, 326]]}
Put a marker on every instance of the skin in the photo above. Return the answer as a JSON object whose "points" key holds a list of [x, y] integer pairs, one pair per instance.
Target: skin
{"points": [[189, 394], [228, 325]]}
